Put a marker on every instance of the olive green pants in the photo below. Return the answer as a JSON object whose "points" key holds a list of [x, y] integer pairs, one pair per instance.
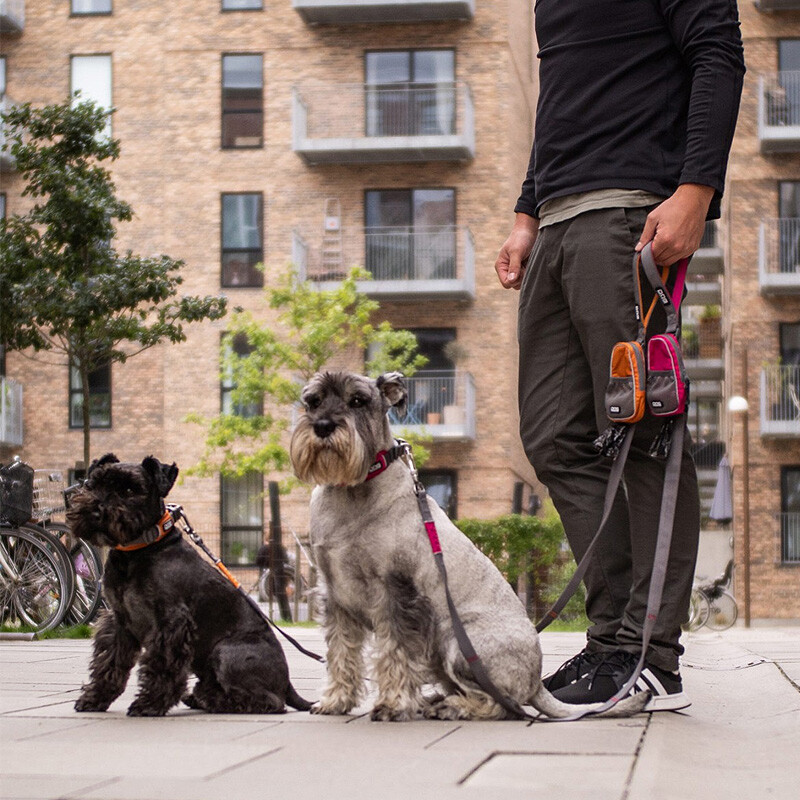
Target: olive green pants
{"points": [[576, 303]]}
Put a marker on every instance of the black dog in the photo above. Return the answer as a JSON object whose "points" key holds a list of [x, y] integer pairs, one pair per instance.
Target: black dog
{"points": [[170, 609]]}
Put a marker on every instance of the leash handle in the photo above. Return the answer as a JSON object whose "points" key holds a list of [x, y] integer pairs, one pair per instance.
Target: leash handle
{"points": [[179, 516]]}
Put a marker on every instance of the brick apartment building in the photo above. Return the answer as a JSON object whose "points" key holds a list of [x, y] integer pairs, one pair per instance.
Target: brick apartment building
{"points": [[303, 133], [395, 134]]}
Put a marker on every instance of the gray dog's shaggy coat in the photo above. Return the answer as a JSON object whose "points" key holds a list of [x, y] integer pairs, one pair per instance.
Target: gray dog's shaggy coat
{"points": [[380, 577]]}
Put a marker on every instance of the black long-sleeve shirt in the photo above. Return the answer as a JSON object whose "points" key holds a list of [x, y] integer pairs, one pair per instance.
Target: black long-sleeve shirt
{"points": [[634, 94]]}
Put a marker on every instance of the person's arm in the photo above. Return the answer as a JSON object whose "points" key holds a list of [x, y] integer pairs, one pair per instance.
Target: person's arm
{"points": [[510, 263], [707, 34]]}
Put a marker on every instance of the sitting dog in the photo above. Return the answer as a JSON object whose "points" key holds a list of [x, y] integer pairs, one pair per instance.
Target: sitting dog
{"points": [[170, 609], [380, 575]]}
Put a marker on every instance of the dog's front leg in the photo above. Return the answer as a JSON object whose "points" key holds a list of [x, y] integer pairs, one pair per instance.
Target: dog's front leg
{"points": [[115, 653], [164, 667], [405, 635], [345, 639]]}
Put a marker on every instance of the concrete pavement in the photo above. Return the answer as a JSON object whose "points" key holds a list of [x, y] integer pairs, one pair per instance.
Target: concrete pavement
{"points": [[739, 739]]}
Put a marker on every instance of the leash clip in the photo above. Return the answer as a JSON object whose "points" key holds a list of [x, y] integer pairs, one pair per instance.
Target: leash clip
{"points": [[408, 458]]}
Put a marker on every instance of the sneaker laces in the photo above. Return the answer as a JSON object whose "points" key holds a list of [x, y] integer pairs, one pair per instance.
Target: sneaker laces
{"points": [[577, 660], [614, 664]]}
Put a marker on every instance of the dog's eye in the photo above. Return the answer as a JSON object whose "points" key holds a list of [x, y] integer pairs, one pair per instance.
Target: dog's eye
{"points": [[358, 402], [312, 402]]}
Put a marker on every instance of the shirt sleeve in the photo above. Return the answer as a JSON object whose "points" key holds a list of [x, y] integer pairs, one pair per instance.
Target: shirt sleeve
{"points": [[526, 204], [706, 32]]}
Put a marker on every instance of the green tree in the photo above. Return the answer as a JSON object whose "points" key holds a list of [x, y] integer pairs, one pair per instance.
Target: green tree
{"points": [[313, 327], [64, 288]]}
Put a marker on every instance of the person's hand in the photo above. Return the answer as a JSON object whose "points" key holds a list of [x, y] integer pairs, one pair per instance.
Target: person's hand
{"points": [[675, 227], [510, 263]]}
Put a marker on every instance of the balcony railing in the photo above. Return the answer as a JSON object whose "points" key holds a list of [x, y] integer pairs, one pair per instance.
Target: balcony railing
{"points": [[406, 263], [779, 256], [369, 124], [701, 344], [779, 111], [344, 12], [10, 412], [12, 16], [789, 542], [780, 401], [441, 404]]}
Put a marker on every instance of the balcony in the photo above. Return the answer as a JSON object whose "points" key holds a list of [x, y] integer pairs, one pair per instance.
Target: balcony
{"points": [[779, 256], [348, 12], [406, 264], [7, 163], [372, 124], [779, 112], [441, 404], [780, 401], [12, 16], [702, 349], [708, 260], [10, 412]]}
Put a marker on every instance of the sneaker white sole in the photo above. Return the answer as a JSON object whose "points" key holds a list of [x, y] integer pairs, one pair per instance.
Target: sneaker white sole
{"points": [[668, 702]]}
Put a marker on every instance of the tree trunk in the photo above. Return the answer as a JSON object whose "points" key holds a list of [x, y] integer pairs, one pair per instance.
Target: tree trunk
{"points": [[86, 415]]}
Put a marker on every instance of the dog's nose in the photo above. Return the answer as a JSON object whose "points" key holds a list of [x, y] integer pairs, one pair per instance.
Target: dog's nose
{"points": [[324, 428]]}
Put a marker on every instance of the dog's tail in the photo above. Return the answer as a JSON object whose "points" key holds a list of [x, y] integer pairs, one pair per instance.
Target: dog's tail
{"points": [[546, 704], [295, 701]]}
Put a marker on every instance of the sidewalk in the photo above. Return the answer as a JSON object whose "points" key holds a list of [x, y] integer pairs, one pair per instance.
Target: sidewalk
{"points": [[739, 739]]}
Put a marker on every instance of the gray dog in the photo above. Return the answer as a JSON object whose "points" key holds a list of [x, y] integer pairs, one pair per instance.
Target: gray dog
{"points": [[380, 575]]}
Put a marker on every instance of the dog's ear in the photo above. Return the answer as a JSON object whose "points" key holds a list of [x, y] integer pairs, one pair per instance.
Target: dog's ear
{"points": [[108, 458], [163, 476], [393, 388]]}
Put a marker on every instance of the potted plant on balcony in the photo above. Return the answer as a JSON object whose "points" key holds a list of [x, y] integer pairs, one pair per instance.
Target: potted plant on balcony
{"points": [[455, 352], [710, 332]]}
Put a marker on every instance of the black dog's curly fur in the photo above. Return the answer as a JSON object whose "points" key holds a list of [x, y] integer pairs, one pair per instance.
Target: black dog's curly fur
{"points": [[170, 610]]}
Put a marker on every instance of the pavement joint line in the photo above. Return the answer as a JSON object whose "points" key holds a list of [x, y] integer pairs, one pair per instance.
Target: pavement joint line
{"points": [[92, 787], [635, 761], [442, 737], [785, 675], [239, 764]]}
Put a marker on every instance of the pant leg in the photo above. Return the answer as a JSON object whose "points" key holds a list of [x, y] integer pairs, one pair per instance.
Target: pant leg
{"points": [[576, 303]]}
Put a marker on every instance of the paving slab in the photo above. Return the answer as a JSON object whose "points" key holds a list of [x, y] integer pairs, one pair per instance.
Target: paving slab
{"points": [[739, 739]]}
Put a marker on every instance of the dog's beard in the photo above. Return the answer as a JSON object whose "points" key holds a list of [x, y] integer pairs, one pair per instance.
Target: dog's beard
{"points": [[340, 459]]}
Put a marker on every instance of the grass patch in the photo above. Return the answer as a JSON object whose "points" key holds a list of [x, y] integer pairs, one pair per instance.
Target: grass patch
{"points": [[62, 632], [568, 625], [286, 623]]}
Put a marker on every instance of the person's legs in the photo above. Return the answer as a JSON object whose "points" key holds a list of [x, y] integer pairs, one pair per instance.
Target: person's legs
{"points": [[575, 304]]}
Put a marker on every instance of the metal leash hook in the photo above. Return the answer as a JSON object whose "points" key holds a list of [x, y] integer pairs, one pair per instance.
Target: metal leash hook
{"points": [[408, 458]]}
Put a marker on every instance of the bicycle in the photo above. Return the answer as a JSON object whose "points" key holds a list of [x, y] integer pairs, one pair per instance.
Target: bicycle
{"points": [[712, 605], [34, 575], [85, 560]]}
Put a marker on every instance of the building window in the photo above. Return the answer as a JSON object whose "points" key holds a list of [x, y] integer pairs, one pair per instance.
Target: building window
{"points": [[242, 518], [410, 93], [789, 225], [91, 76], [441, 486], [91, 7], [239, 347], [242, 5], [99, 398], [410, 234], [703, 421], [789, 80], [790, 515], [242, 247], [242, 101]]}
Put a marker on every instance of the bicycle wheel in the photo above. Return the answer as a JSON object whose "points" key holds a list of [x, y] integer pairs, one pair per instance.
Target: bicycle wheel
{"points": [[723, 612], [699, 610], [31, 582], [59, 553], [87, 566]]}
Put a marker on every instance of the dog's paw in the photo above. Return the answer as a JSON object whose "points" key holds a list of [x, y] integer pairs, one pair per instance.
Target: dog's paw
{"points": [[190, 700], [384, 713], [137, 709], [328, 708], [90, 704]]}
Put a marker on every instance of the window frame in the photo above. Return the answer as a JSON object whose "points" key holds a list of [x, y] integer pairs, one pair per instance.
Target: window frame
{"points": [[226, 529], [91, 13], [786, 525], [259, 7], [75, 392], [230, 113], [254, 278], [452, 476], [108, 57], [227, 385]]}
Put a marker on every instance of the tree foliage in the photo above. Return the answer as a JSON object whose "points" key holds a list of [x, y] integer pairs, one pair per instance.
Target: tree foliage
{"points": [[64, 288], [314, 328]]}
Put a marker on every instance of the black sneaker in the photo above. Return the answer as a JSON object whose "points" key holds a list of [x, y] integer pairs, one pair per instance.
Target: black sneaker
{"points": [[611, 674], [570, 671]]}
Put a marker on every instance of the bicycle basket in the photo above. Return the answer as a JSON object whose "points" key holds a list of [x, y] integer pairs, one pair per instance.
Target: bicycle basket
{"points": [[48, 493], [16, 493]]}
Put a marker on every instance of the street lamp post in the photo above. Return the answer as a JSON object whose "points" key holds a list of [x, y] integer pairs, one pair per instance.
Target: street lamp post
{"points": [[739, 406]]}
